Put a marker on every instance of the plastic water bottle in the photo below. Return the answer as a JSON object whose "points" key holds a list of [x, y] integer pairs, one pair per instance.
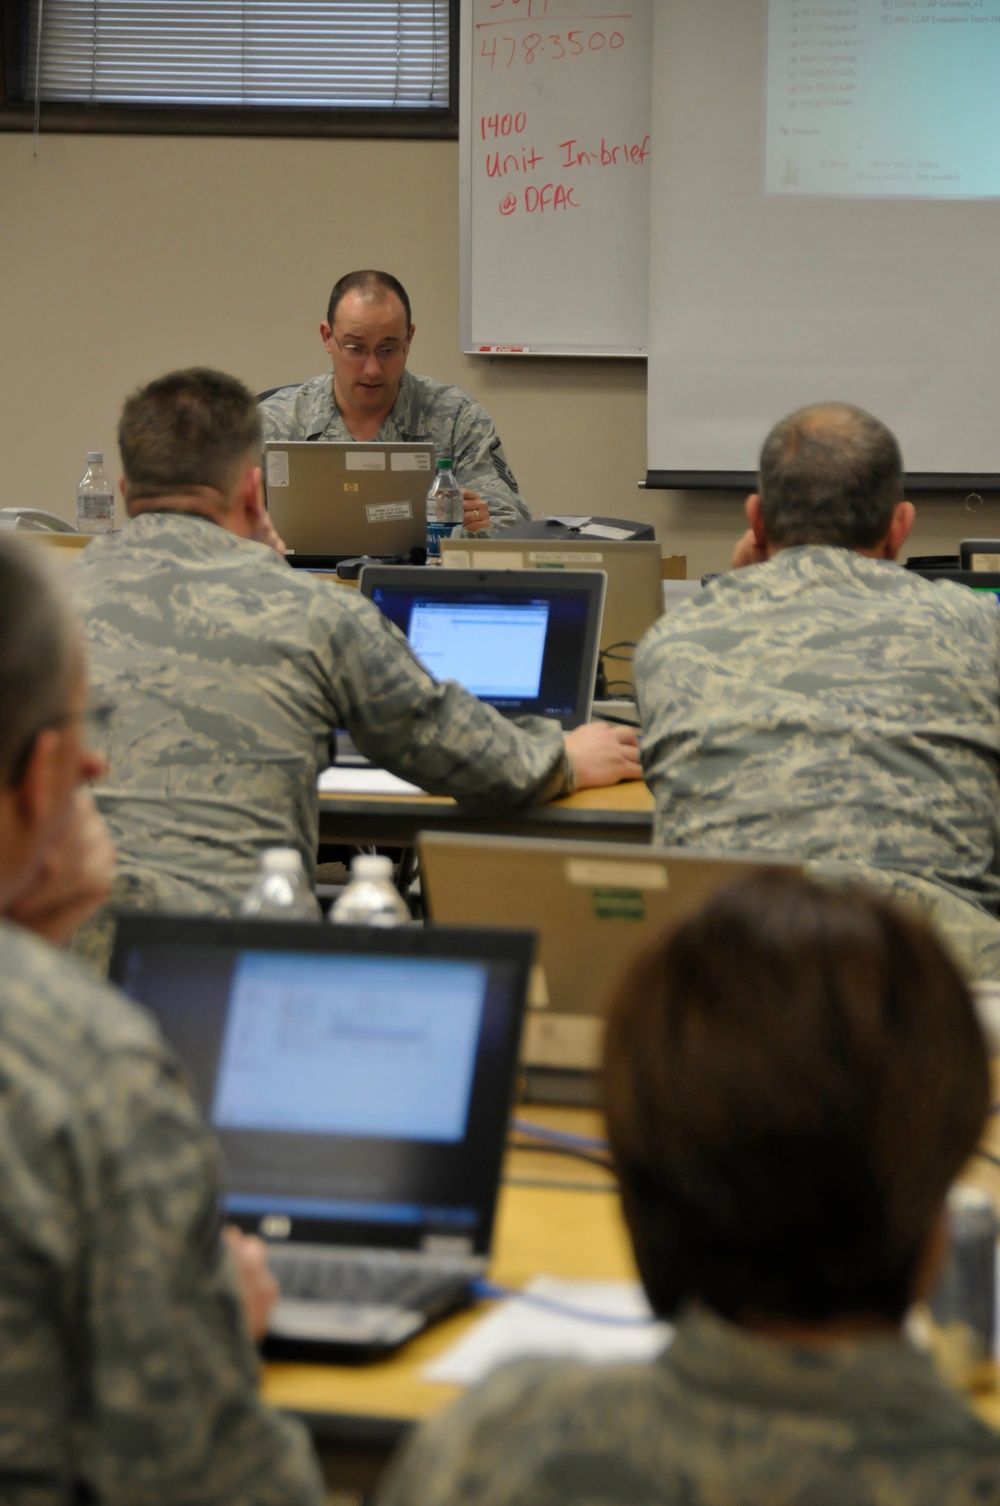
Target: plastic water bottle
{"points": [[444, 507], [371, 898], [95, 497], [281, 888]]}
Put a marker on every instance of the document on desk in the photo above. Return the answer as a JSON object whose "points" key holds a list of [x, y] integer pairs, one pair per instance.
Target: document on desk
{"points": [[339, 780], [519, 1328]]}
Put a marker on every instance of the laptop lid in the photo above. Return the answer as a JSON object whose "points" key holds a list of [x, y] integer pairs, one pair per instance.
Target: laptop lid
{"points": [[633, 599], [525, 641], [359, 1081], [983, 582], [595, 904], [335, 499]]}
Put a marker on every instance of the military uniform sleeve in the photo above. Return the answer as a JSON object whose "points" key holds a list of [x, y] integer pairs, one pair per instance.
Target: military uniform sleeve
{"points": [[481, 464], [436, 733], [172, 1408]]}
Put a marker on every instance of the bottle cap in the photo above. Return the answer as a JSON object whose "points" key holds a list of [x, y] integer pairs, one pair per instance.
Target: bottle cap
{"points": [[370, 865], [95, 457], [444, 463], [281, 859]]}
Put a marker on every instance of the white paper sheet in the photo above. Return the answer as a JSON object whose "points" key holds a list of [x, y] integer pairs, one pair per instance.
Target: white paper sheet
{"points": [[516, 1329], [348, 781]]}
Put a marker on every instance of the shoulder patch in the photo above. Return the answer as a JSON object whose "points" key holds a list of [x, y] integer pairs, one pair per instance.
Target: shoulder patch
{"points": [[501, 467]]}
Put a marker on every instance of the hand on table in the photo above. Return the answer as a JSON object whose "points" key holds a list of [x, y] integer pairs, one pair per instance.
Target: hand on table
{"points": [[72, 878], [603, 754], [266, 533], [258, 1288]]}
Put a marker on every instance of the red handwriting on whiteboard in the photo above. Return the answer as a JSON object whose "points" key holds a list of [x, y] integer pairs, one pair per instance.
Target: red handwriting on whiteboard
{"points": [[525, 161], [496, 126], [521, 8], [505, 52], [613, 154], [539, 199]]}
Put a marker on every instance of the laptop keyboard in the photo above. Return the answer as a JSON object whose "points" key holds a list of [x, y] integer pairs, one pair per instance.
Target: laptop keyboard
{"points": [[367, 1281]]}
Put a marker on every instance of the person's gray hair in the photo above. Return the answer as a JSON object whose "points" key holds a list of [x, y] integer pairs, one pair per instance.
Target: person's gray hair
{"points": [[830, 474], [36, 665]]}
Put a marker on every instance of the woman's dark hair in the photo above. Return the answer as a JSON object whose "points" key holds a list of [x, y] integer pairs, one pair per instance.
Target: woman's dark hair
{"points": [[794, 1077]]}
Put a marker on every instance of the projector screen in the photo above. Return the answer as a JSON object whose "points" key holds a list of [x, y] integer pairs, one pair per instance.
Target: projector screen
{"points": [[825, 224]]}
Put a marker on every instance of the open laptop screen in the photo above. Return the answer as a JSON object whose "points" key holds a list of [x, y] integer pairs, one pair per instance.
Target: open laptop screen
{"points": [[524, 642], [358, 1082]]}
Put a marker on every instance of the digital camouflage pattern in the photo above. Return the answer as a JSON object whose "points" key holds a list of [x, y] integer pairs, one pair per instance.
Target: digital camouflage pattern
{"points": [[724, 1418], [226, 672], [844, 711], [424, 412], [126, 1374]]}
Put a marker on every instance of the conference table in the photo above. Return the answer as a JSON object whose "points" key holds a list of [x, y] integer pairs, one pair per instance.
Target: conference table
{"points": [[613, 813]]}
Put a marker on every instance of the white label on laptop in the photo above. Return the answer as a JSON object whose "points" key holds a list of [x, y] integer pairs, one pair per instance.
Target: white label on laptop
{"points": [[605, 531], [388, 512], [545, 557], [538, 988], [593, 873], [408, 460], [364, 460], [456, 559], [277, 467]]}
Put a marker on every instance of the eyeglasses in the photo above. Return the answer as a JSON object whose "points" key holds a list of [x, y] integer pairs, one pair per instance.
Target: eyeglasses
{"points": [[382, 353], [95, 718]]}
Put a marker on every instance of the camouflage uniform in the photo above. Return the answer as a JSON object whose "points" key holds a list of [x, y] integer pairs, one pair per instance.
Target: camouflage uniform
{"points": [[227, 671], [724, 1418], [425, 411], [842, 710], [126, 1374]]}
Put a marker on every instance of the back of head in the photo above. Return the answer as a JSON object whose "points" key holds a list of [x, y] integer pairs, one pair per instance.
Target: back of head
{"points": [[187, 431], [794, 1077], [372, 285], [830, 474], [36, 666]]}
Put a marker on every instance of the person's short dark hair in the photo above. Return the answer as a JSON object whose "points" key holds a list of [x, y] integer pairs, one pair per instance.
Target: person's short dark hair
{"points": [[187, 430], [830, 474], [36, 665], [794, 1077], [370, 283]]}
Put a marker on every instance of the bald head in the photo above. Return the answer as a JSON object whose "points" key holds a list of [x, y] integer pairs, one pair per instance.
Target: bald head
{"points": [[830, 474]]}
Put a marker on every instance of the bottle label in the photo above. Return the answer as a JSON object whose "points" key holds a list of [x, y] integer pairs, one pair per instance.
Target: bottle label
{"points": [[95, 511]]}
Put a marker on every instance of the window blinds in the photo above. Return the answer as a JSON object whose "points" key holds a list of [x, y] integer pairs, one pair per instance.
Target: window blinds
{"points": [[352, 54]]}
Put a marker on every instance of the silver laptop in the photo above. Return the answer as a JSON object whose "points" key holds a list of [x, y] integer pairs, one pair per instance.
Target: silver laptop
{"points": [[331, 501], [632, 602], [359, 1082], [526, 641], [594, 904]]}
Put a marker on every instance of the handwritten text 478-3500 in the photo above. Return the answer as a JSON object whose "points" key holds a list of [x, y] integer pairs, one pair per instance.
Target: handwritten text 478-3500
{"points": [[504, 52]]}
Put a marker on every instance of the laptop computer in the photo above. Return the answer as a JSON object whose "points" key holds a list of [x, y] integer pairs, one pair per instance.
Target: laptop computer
{"points": [[359, 1082], [984, 582], [330, 501], [632, 602], [595, 904], [526, 641]]}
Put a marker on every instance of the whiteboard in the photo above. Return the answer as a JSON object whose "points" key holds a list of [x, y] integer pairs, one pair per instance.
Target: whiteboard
{"points": [[555, 168]]}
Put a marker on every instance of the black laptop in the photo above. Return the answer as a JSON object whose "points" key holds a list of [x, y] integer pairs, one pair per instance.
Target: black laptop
{"points": [[525, 641], [359, 1082]]}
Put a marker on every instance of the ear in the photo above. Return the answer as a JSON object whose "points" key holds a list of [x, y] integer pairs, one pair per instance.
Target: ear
{"points": [[251, 496], [35, 795], [326, 335], [903, 519], [410, 333], [755, 517]]}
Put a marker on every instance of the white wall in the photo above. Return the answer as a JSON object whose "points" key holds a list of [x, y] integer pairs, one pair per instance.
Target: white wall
{"points": [[124, 257]]}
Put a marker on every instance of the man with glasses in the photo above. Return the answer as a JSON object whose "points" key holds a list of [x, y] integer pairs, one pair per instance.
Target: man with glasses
{"points": [[127, 1371], [371, 396]]}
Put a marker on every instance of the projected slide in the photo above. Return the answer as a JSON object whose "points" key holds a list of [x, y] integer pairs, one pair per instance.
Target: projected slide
{"points": [[882, 98], [350, 1045]]}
